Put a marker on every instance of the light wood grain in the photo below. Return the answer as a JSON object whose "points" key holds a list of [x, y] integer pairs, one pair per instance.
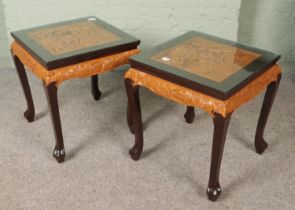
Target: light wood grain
{"points": [[207, 58], [72, 37]]}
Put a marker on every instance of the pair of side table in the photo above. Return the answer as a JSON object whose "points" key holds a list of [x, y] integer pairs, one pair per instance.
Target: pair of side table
{"points": [[195, 69]]}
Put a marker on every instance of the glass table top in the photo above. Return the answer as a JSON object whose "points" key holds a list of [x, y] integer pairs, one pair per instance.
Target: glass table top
{"points": [[205, 58], [65, 43], [72, 37], [206, 63]]}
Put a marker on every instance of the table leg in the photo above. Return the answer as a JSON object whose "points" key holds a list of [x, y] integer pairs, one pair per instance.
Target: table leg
{"points": [[189, 114], [219, 136], [260, 143], [135, 112], [51, 93], [30, 112], [129, 119], [94, 88]]}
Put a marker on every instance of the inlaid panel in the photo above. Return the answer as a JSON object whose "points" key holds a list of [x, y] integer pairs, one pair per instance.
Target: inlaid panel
{"points": [[207, 58], [69, 42], [72, 37], [206, 63]]}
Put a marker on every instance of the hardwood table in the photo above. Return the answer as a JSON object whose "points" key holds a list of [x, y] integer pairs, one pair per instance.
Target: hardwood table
{"points": [[216, 75], [83, 47]]}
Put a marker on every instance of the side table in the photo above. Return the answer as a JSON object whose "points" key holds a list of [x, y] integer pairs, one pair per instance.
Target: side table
{"points": [[57, 52], [216, 75]]}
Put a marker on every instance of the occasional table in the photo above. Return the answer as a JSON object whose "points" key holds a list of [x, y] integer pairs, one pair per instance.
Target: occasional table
{"points": [[57, 52], [216, 75]]}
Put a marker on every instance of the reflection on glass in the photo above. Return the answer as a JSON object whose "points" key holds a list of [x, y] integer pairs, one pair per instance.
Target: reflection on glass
{"points": [[206, 58], [72, 37]]}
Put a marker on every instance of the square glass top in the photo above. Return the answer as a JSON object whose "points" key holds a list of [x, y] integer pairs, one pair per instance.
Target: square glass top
{"points": [[60, 44], [205, 63]]}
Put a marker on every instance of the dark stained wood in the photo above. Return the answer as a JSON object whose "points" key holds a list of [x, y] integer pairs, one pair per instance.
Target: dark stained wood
{"points": [[88, 56], [213, 77], [62, 44], [260, 143], [51, 93], [177, 80], [220, 130], [129, 119], [208, 64], [135, 110], [219, 136], [94, 88], [81, 57], [189, 114], [30, 112], [72, 37], [207, 58], [71, 42], [193, 85]]}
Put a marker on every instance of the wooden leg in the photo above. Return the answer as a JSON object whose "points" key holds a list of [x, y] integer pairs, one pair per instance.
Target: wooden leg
{"points": [[135, 112], [51, 93], [189, 114], [30, 112], [94, 88], [260, 143], [219, 136], [129, 119]]}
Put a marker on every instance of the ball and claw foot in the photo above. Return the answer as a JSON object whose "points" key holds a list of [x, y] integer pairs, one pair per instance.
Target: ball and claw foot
{"points": [[96, 95], [135, 152], [59, 155], [29, 116], [213, 193], [261, 147]]}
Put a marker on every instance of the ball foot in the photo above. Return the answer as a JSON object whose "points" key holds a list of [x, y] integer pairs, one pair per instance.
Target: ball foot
{"points": [[29, 115], [260, 147], [213, 193], [96, 94], [135, 152], [189, 115], [189, 118], [59, 155]]}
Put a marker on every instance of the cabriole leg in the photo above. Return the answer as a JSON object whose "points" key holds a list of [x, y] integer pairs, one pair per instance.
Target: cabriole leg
{"points": [[135, 112], [189, 114], [219, 136], [51, 93], [260, 143], [94, 88], [30, 112], [129, 119]]}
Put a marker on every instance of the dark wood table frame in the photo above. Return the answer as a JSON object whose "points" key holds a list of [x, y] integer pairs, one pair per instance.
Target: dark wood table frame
{"points": [[52, 99], [220, 130], [37, 43]]}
